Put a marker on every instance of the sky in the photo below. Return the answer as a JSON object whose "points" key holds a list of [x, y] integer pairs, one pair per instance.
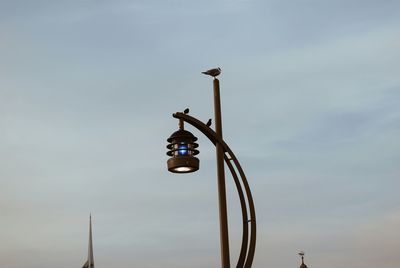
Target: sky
{"points": [[310, 101]]}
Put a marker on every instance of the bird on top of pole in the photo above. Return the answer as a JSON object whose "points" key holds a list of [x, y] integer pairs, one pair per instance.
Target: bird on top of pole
{"points": [[213, 72]]}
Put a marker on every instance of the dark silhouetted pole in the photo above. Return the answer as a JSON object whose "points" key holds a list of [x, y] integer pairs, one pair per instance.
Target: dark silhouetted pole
{"points": [[223, 217]]}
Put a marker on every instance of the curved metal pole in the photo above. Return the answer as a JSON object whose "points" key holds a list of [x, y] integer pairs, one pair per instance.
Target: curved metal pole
{"points": [[247, 250], [245, 235]]}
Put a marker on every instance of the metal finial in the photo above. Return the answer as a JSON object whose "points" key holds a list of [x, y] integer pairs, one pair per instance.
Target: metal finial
{"points": [[301, 253]]}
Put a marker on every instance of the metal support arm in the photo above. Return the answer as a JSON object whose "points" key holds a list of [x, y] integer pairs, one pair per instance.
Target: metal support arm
{"points": [[246, 200]]}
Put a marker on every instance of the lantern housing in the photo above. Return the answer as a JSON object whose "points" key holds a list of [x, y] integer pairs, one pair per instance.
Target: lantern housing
{"points": [[182, 150]]}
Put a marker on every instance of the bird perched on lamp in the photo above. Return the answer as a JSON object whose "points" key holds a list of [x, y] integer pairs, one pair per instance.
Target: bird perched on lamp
{"points": [[213, 72]]}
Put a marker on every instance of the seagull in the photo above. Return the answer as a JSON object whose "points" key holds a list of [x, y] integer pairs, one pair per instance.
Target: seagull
{"points": [[209, 122], [186, 111], [213, 72]]}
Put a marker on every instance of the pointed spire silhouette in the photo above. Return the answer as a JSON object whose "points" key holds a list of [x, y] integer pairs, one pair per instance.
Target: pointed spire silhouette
{"points": [[90, 261], [302, 260]]}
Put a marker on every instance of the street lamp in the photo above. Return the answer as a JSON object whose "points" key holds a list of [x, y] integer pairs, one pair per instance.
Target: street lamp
{"points": [[182, 151]]}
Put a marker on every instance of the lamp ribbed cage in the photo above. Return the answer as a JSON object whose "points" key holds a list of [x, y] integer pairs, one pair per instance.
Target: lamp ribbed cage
{"points": [[182, 150]]}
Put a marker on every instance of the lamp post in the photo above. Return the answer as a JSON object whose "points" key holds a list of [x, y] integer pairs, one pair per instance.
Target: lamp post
{"points": [[182, 152]]}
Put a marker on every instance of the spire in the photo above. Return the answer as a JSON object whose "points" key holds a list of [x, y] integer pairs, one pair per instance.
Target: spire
{"points": [[301, 253], [90, 261]]}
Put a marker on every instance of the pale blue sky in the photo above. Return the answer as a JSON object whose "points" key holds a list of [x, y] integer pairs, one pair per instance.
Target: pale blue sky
{"points": [[310, 100]]}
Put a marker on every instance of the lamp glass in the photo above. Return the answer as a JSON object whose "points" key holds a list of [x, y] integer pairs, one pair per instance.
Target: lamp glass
{"points": [[183, 169]]}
